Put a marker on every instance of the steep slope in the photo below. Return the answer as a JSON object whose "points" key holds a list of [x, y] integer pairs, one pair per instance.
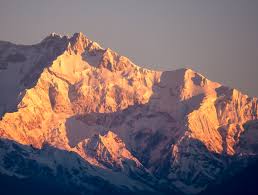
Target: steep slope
{"points": [[21, 66], [61, 168], [175, 129]]}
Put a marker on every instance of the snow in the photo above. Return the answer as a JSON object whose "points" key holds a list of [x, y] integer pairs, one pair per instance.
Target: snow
{"points": [[99, 106]]}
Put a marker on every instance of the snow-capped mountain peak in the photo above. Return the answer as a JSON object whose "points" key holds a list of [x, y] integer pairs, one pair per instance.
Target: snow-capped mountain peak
{"points": [[175, 128]]}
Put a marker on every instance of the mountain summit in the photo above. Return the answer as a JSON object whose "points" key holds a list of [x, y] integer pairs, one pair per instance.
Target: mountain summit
{"points": [[136, 130]]}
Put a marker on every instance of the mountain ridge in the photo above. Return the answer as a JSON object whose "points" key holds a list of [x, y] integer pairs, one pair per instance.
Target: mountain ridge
{"points": [[176, 127]]}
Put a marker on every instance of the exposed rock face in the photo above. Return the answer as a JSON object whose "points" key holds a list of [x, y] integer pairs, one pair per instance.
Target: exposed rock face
{"points": [[176, 127]]}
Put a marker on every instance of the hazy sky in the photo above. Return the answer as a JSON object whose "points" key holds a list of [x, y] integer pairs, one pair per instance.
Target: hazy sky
{"points": [[218, 38]]}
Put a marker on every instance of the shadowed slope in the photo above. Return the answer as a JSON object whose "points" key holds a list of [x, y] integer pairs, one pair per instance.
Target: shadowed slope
{"points": [[60, 171]]}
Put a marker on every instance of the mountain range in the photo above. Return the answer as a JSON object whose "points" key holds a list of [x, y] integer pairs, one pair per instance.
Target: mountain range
{"points": [[80, 119]]}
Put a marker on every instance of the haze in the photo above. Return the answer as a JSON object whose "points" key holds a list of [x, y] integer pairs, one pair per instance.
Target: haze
{"points": [[218, 38]]}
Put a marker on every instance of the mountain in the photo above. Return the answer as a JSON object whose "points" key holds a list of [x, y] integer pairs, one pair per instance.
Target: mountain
{"points": [[157, 132], [243, 182]]}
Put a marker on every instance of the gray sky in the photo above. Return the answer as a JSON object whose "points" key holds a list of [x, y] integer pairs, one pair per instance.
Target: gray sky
{"points": [[218, 38]]}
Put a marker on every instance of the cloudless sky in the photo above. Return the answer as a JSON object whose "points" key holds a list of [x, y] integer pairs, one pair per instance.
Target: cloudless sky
{"points": [[218, 38]]}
